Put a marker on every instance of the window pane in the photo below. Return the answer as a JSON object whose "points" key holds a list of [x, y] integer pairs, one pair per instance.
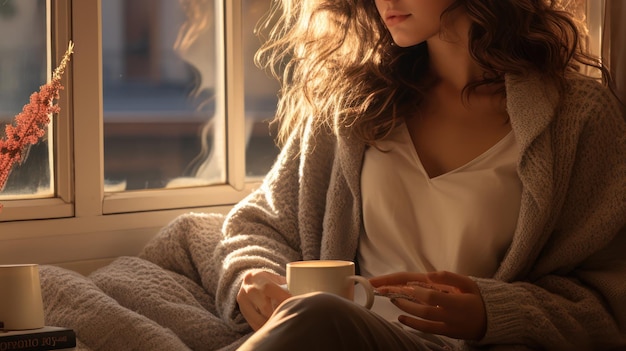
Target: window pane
{"points": [[23, 60], [160, 93], [260, 96], [164, 124]]}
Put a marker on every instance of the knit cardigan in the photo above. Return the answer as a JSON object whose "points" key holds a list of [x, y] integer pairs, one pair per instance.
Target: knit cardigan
{"points": [[561, 284]]}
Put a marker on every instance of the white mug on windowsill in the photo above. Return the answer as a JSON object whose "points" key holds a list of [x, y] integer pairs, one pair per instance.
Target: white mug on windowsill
{"points": [[21, 305]]}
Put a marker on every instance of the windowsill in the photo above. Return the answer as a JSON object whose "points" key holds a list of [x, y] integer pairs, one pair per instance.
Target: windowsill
{"points": [[66, 240]]}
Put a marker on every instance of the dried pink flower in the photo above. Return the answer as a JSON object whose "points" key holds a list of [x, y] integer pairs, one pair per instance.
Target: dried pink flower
{"points": [[30, 125]]}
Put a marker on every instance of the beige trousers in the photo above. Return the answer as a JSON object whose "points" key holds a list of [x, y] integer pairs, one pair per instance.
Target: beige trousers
{"points": [[321, 321]]}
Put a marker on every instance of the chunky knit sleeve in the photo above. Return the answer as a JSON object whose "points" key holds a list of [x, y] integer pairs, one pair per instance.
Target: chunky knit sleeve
{"points": [[562, 285], [281, 221]]}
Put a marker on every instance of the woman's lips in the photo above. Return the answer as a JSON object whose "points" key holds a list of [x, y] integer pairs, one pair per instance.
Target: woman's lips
{"points": [[393, 19]]}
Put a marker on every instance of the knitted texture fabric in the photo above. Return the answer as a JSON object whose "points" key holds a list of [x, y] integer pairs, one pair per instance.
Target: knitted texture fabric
{"points": [[560, 286], [158, 301]]}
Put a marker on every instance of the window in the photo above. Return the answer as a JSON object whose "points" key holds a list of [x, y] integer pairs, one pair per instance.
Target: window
{"points": [[23, 68], [162, 114], [164, 120]]}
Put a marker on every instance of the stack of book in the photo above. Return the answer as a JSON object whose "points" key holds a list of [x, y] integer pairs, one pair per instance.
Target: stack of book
{"points": [[42, 339]]}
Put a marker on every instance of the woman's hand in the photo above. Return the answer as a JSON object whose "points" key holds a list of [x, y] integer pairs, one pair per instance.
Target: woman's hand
{"points": [[443, 302], [259, 295]]}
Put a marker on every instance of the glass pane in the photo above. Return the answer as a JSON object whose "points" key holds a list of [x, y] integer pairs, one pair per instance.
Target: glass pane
{"points": [[260, 96], [164, 124], [159, 59], [23, 60]]}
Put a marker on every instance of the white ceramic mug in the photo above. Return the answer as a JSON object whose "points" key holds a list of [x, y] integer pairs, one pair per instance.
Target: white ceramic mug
{"points": [[21, 306], [332, 276]]}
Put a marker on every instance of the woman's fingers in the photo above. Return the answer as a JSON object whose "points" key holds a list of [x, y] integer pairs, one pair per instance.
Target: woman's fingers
{"points": [[419, 292], [253, 316], [260, 293], [423, 311], [440, 302], [445, 278], [396, 278]]}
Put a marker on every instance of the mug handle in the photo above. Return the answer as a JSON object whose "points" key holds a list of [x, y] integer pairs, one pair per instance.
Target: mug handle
{"points": [[369, 290]]}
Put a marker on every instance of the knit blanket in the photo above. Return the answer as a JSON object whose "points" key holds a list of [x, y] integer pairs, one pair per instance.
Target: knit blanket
{"points": [[164, 299]]}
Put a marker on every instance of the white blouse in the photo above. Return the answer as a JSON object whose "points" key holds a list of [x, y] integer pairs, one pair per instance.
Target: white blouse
{"points": [[461, 221]]}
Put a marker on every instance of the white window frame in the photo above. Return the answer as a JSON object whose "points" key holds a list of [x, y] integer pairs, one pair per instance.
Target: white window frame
{"points": [[83, 222]]}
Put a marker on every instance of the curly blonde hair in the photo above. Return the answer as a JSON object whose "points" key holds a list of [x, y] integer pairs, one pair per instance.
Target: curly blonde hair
{"points": [[337, 63]]}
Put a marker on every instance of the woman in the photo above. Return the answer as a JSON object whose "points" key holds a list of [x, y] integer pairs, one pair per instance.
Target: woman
{"points": [[454, 142]]}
